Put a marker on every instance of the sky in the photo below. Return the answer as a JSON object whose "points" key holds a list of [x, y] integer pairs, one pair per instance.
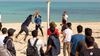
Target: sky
{"points": [[58, 0]]}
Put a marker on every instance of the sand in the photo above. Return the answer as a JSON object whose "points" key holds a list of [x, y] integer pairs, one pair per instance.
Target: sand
{"points": [[21, 46]]}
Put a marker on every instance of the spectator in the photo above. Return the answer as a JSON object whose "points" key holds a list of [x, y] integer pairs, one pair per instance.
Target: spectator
{"points": [[39, 43], [82, 44], [52, 24], [67, 38], [2, 37], [8, 41], [53, 44], [90, 50], [76, 38]]}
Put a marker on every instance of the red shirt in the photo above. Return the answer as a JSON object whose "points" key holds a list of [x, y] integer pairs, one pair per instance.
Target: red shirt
{"points": [[56, 32]]}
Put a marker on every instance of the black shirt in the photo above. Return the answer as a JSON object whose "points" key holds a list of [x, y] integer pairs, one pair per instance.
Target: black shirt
{"points": [[10, 46], [27, 21]]}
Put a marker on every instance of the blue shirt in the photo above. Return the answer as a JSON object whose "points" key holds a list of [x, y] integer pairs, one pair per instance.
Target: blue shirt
{"points": [[74, 41], [38, 20]]}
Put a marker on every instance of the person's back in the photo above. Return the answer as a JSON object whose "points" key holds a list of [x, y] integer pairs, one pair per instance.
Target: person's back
{"points": [[53, 44], [39, 43], [76, 38], [52, 24], [68, 32], [82, 44], [27, 21], [8, 41], [90, 50]]}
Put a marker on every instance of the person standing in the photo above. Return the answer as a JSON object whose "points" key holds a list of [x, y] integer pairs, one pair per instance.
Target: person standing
{"points": [[38, 21], [82, 44], [76, 38], [67, 33], [37, 42], [8, 41], [24, 26], [0, 22], [53, 44], [64, 16], [52, 24]]}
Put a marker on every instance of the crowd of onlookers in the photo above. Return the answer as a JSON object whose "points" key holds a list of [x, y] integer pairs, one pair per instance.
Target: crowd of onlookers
{"points": [[73, 44]]}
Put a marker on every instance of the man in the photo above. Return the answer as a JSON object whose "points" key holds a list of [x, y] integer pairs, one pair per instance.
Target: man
{"points": [[65, 16], [38, 21], [2, 37], [24, 26], [53, 44], [0, 22], [82, 44], [8, 41], [76, 38], [67, 33], [39, 43], [52, 24]]}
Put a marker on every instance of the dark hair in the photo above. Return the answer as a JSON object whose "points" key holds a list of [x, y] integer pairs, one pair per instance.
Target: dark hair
{"points": [[34, 33], [88, 32], [79, 28], [89, 41], [52, 29], [4, 30], [69, 25], [11, 31], [52, 24]]}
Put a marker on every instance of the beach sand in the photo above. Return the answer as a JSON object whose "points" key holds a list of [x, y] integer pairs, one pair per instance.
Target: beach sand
{"points": [[21, 46]]}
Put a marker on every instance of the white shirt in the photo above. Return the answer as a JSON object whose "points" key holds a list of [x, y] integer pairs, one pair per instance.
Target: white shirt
{"points": [[2, 37], [39, 44], [66, 17], [67, 34], [0, 17]]}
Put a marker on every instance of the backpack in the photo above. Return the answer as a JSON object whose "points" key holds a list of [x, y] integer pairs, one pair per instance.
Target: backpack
{"points": [[56, 48], [32, 50]]}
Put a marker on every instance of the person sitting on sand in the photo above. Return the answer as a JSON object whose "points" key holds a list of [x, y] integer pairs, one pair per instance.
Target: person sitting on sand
{"points": [[24, 26]]}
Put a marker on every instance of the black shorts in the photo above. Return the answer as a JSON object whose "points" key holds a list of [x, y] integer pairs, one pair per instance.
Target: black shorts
{"points": [[25, 29]]}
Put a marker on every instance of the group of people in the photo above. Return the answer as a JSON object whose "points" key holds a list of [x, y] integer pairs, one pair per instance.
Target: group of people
{"points": [[75, 44], [37, 19]]}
